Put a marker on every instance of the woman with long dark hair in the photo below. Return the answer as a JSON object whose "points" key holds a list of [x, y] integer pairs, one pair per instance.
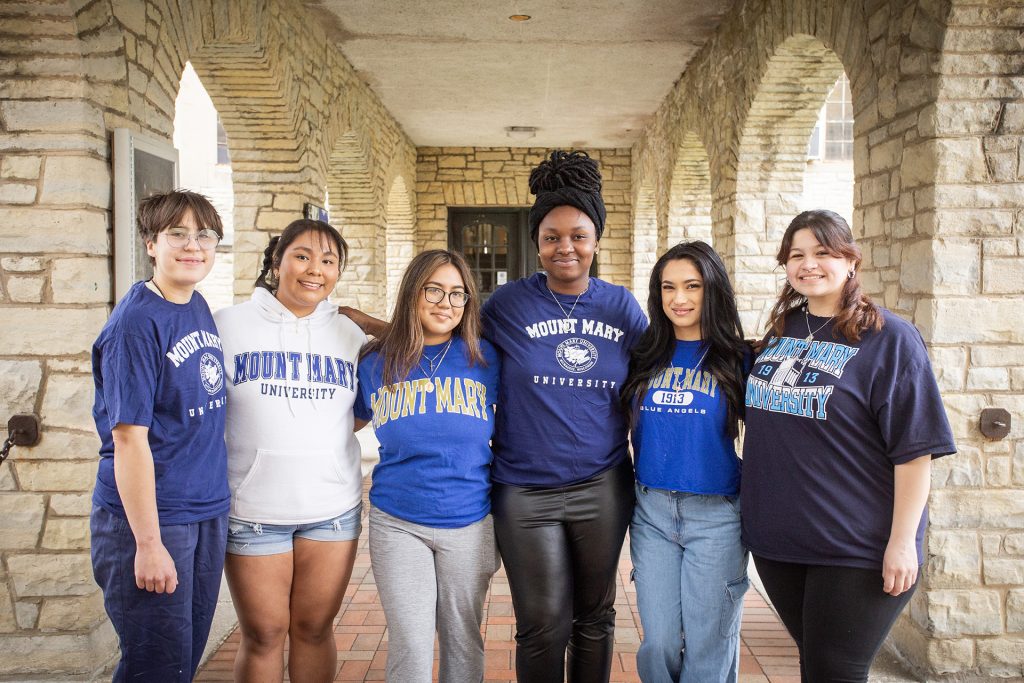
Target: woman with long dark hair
{"points": [[428, 384], [563, 482], [685, 398], [293, 461], [844, 418]]}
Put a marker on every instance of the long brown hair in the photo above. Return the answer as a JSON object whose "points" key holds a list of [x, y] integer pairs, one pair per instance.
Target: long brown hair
{"points": [[401, 343], [857, 313]]}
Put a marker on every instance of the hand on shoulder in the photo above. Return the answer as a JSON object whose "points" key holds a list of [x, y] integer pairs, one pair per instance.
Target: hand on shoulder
{"points": [[366, 322]]}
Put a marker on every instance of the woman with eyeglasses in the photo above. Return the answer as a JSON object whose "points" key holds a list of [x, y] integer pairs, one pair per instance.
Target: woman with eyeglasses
{"points": [[293, 460], [428, 384]]}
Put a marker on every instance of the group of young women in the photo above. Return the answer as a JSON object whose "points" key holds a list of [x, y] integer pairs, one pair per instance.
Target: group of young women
{"points": [[842, 418]]}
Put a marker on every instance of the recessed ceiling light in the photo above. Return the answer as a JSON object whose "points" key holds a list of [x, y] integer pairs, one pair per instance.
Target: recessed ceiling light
{"points": [[520, 17]]}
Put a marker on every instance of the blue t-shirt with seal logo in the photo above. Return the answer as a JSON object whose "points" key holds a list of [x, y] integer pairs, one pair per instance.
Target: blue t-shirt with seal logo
{"points": [[680, 440], [827, 421], [434, 430], [159, 365], [563, 364]]}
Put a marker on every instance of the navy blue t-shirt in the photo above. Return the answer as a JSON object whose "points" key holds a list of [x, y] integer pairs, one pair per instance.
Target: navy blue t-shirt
{"points": [[680, 440], [159, 365], [559, 420], [434, 434], [827, 421]]}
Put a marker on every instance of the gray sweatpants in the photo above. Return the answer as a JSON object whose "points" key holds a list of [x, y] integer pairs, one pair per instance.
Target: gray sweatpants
{"points": [[431, 579]]}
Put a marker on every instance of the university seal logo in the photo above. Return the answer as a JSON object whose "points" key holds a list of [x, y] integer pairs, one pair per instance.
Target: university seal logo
{"points": [[211, 373], [576, 355]]}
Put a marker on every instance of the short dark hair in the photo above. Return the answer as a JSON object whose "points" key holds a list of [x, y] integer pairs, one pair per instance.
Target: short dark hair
{"points": [[164, 210]]}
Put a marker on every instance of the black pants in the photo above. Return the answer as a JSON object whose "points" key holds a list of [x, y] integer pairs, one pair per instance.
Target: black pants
{"points": [[838, 616], [561, 551]]}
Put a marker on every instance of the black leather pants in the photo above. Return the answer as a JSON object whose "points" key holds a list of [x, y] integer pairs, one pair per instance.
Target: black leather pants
{"points": [[561, 550]]}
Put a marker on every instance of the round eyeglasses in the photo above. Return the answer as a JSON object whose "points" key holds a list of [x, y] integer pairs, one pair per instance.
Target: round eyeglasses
{"points": [[435, 295], [179, 238]]}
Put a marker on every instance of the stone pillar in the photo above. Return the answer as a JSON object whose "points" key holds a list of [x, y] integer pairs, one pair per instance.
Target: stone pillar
{"points": [[55, 288], [963, 274]]}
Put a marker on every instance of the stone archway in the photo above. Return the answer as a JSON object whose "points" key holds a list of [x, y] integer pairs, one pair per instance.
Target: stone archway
{"points": [[644, 240], [355, 211], [399, 217], [689, 210], [770, 166]]}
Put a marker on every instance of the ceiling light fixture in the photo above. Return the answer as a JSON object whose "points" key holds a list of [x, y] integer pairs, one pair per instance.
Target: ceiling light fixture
{"points": [[520, 17], [520, 132]]}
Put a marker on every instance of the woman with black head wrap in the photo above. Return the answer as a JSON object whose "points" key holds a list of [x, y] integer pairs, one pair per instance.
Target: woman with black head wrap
{"points": [[562, 492]]}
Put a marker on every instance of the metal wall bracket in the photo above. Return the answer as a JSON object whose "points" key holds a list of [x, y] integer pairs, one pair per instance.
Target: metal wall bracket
{"points": [[995, 423], [24, 429]]}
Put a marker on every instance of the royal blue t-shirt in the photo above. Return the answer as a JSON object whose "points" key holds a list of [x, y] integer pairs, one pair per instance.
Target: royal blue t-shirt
{"points": [[159, 365], [827, 422], [434, 433], [559, 420], [680, 441]]}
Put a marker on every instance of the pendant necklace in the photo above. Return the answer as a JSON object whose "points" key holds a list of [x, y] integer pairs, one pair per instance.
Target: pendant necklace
{"points": [[699, 360], [559, 303], [807, 320], [436, 361]]}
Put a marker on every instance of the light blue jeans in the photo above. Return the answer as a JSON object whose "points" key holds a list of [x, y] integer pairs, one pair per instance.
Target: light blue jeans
{"points": [[691, 573]]}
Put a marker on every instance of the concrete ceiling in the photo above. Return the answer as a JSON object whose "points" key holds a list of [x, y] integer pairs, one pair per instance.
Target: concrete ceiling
{"points": [[457, 72]]}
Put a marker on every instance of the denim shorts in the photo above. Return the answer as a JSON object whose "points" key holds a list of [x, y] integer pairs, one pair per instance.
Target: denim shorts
{"points": [[253, 538]]}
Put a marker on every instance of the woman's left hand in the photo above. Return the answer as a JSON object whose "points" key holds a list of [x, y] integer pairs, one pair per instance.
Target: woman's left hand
{"points": [[899, 566]]}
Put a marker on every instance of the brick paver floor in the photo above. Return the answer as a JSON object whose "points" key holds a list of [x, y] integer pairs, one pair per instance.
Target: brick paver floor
{"points": [[767, 653]]}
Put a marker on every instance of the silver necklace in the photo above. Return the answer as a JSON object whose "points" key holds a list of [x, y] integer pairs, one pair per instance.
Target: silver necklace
{"points": [[559, 303], [807, 321], [436, 361], [699, 360]]}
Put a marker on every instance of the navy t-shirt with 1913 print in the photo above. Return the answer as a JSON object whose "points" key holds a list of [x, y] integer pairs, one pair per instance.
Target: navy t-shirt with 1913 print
{"points": [[827, 420]]}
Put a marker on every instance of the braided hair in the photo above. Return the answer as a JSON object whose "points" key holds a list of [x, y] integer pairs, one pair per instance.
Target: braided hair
{"points": [[566, 169], [279, 244], [567, 179]]}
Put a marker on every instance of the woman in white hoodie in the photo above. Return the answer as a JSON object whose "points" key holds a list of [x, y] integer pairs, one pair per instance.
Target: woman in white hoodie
{"points": [[293, 461]]}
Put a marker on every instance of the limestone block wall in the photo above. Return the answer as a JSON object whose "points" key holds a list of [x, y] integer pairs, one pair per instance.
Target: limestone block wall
{"points": [[72, 71], [964, 265], [936, 208], [55, 291], [497, 176]]}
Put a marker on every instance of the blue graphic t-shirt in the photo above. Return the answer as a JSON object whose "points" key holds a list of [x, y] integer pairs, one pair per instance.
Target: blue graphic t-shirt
{"points": [[827, 421], [159, 365], [434, 432], [559, 420], [680, 441]]}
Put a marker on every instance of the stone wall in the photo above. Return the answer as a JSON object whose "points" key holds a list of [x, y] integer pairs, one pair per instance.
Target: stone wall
{"points": [[937, 164], [497, 176], [72, 72], [963, 267]]}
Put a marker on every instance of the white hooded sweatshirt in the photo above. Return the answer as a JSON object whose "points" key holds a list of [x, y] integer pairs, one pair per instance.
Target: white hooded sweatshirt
{"points": [[292, 456]]}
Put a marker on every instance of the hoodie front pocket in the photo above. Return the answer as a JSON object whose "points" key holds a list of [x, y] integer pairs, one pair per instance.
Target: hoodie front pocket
{"points": [[289, 485]]}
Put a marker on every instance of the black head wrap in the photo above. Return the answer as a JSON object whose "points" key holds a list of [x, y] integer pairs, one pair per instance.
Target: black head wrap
{"points": [[567, 179]]}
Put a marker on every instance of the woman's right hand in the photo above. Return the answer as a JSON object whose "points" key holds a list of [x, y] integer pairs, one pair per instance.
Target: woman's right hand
{"points": [[154, 568], [367, 323]]}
